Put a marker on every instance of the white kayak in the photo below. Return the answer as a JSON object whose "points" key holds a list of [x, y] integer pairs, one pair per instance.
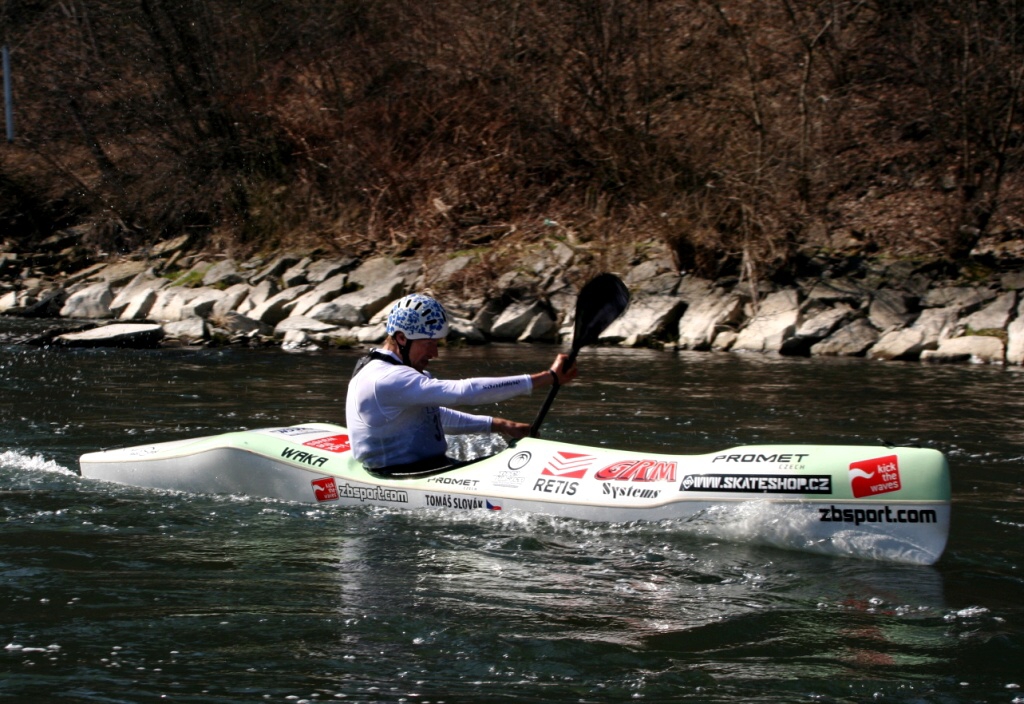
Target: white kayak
{"points": [[889, 503]]}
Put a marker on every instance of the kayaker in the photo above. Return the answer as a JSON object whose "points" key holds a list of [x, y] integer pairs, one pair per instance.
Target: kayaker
{"points": [[397, 413]]}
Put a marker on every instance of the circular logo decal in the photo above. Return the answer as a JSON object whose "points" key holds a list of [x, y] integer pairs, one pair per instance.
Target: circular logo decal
{"points": [[519, 460]]}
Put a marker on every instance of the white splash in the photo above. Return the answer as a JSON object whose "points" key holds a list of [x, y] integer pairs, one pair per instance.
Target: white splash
{"points": [[12, 459]]}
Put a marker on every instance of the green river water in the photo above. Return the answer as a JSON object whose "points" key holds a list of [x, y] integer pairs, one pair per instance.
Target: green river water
{"points": [[116, 594]]}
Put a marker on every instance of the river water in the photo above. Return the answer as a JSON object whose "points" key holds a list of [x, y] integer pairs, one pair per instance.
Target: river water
{"points": [[116, 594]]}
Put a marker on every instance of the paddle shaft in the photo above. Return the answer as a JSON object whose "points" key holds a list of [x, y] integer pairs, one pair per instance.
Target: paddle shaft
{"points": [[535, 428]]}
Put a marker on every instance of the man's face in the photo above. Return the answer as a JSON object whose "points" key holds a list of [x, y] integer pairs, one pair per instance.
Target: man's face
{"points": [[421, 352]]}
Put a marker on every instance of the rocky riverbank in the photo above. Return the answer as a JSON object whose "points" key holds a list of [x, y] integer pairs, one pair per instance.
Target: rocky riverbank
{"points": [[847, 306]]}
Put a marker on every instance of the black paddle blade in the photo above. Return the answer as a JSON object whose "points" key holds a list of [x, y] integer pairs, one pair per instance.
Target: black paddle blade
{"points": [[603, 299]]}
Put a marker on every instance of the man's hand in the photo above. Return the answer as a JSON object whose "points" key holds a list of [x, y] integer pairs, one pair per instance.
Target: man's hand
{"points": [[510, 428]]}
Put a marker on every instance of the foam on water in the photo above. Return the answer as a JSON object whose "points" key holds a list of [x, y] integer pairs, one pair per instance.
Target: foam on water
{"points": [[14, 460], [792, 527]]}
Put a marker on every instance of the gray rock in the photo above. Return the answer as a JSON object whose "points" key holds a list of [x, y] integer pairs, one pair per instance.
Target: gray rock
{"points": [[176, 303], [90, 302], [297, 340], [484, 318], [851, 340], [139, 306], [301, 322], [963, 298], [648, 317], [817, 328], [175, 244], [276, 268], [258, 294], [907, 343], [320, 271], [823, 324], [724, 340], [371, 334], [191, 331], [462, 329], [936, 324], [115, 335], [232, 298], [1012, 281], [514, 320], [357, 308], [890, 309], [142, 282], [981, 349], [325, 291], [994, 316], [1015, 338], [773, 324], [120, 273], [541, 329], [706, 316], [297, 274], [832, 291], [235, 323], [223, 274], [373, 271], [277, 307]]}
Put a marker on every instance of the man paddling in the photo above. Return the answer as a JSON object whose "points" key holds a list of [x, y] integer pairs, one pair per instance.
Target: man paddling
{"points": [[397, 414]]}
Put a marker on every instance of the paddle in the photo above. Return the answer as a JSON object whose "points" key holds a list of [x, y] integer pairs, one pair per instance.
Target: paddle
{"points": [[601, 301]]}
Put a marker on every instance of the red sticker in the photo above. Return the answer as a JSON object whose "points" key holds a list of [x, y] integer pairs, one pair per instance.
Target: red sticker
{"points": [[639, 471], [877, 476], [325, 489], [568, 465], [332, 443]]}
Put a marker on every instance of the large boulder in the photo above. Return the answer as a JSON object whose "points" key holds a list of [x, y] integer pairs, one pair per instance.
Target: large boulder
{"points": [[278, 307], [326, 290], [303, 324], [851, 340], [1015, 338], [891, 309], [648, 317], [230, 300], [190, 331], [936, 324], [542, 328], [816, 328], [357, 308], [115, 335], [707, 316], [995, 316], [320, 271], [513, 321], [982, 349], [223, 274], [90, 302], [145, 281], [905, 343], [139, 306], [772, 325], [963, 298]]}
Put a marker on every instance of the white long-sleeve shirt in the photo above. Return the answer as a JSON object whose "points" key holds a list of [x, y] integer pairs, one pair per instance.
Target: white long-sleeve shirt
{"points": [[396, 415]]}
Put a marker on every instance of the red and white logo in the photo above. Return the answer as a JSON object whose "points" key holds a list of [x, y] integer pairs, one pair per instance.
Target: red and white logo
{"points": [[876, 476], [332, 443], [325, 489], [568, 465], [639, 471]]}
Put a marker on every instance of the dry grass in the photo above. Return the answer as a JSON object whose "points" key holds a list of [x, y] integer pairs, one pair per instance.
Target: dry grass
{"points": [[738, 133]]}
